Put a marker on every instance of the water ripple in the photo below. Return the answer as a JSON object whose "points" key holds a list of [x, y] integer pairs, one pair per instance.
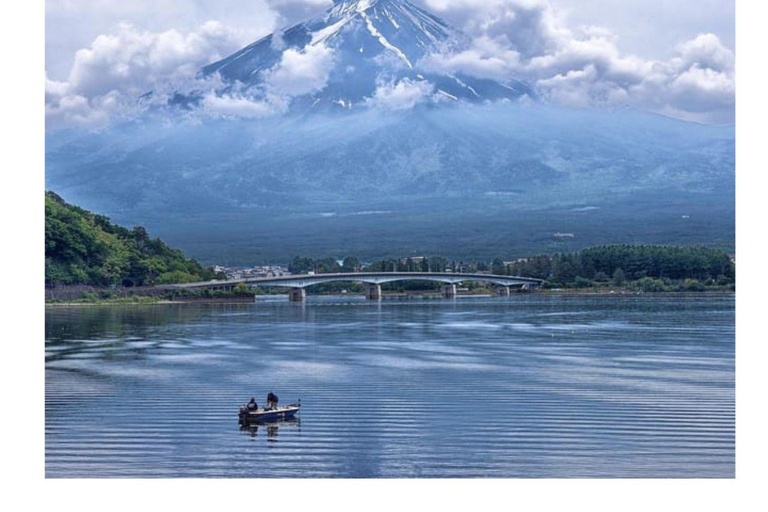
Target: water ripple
{"points": [[525, 387]]}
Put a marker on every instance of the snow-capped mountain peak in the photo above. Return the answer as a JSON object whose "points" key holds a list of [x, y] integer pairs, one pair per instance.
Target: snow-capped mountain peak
{"points": [[373, 42]]}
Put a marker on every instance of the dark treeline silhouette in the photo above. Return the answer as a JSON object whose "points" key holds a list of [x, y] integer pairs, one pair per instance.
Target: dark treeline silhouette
{"points": [[628, 263], [653, 267]]}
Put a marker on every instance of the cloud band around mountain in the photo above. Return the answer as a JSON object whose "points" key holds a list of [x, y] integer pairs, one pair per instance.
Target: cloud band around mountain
{"points": [[521, 39]]}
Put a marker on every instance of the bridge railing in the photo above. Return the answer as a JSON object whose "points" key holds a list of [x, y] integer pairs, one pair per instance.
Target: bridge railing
{"points": [[375, 278]]}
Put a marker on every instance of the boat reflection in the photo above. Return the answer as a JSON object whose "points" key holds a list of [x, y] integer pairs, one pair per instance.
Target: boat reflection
{"points": [[271, 428]]}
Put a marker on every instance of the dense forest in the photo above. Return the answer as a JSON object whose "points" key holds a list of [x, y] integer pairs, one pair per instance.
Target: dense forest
{"points": [[652, 267], [646, 267], [85, 248]]}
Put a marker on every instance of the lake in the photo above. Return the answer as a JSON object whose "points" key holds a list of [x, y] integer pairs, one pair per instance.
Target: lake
{"points": [[529, 386]]}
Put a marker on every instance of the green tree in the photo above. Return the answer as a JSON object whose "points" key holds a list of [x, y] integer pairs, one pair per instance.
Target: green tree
{"points": [[498, 267], [350, 264], [301, 265], [85, 248], [649, 284]]}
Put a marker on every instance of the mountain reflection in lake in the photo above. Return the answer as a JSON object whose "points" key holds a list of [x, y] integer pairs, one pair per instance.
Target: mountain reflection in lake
{"points": [[528, 386]]}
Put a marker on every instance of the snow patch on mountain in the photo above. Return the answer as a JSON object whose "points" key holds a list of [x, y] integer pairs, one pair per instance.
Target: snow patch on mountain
{"points": [[342, 57], [383, 40]]}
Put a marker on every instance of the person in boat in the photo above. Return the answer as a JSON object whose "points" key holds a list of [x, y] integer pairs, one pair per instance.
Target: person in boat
{"points": [[252, 405], [271, 400]]}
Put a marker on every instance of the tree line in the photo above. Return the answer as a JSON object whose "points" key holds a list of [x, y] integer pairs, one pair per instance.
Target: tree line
{"points": [[622, 263], [654, 267]]}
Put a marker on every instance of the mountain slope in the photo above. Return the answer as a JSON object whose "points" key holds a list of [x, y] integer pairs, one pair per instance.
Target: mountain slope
{"points": [[84, 248], [374, 42], [463, 182], [466, 178]]}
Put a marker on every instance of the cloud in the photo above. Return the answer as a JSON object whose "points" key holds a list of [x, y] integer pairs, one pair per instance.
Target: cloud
{"points": [[525, 39], [63, 107], [74, 24], [108, 77], [133, 61], [699, 83], [484, 59], [401, 95], [294, 10], [301, 72], [528, 27], [240, 106], [508, 39]]}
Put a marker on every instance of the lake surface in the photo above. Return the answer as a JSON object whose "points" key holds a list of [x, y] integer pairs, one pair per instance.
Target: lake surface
{"points": [[528, 386]]}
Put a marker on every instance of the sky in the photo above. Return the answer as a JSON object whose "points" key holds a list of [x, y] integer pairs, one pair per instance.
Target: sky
{"points": [[672, 56]]}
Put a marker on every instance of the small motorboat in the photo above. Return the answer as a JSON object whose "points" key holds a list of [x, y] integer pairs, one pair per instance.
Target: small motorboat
{"points": [[268, 414]]}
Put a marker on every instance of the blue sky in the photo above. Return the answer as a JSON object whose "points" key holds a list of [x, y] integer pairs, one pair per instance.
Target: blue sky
{"points": [[678, 55]]}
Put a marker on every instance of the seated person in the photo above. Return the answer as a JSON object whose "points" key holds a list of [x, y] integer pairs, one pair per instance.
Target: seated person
{"points": [[252, 405]]}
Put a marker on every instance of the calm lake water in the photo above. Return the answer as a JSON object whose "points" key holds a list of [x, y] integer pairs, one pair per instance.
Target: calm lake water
{"points": [[528, 386]]}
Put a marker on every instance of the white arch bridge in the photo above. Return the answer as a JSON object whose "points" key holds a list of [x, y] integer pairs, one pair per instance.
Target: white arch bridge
{"points": [[299, 283]]}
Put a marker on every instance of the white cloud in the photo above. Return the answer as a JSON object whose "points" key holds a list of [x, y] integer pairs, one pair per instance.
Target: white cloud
{"points": [[707, 51], [75, 24], [239, 106], [401, 95], [484, 59], [108, 77], [529, 27], [133, 61], [520, 39], [301, 71], [525, 39], [65, 107]]}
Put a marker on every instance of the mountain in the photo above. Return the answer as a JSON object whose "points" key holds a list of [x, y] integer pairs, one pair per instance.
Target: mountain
{"points": [[467, 178], [373, 42], [86, 248], [468, 181]]}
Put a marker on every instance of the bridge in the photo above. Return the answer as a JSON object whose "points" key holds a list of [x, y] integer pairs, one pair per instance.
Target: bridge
{"points": [[298, 283]]}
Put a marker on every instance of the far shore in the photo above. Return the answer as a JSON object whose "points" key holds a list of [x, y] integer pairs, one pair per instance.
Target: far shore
{"points": [[144, 301]]}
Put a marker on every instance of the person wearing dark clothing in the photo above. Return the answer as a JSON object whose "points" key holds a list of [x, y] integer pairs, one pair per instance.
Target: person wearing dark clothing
{"points": [[271, 400], [252, 405]]}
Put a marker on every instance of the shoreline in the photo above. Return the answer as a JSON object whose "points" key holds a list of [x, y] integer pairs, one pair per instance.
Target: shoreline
{"points": [[256, 299]]}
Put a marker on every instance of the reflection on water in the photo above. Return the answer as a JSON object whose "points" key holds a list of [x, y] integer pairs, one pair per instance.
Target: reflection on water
{"points": [[527, 386], [271, 428]]}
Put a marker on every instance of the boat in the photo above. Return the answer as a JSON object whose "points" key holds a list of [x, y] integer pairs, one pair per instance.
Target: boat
{"points": [[268, 414]]}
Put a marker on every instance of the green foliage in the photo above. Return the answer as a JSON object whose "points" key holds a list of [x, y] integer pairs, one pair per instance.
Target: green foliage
{"points": [[633, 263], [693, 285], [640, 267], [301, 265], [582, 282], [85, 248], [619, 278], [177, 276], [649, 284], [350, 264]]}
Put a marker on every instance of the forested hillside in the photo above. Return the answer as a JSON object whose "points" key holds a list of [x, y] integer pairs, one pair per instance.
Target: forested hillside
{"points": [[86, 248]]}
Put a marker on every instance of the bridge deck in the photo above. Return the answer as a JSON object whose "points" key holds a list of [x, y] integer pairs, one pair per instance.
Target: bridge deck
{"points": [[374, 278]]}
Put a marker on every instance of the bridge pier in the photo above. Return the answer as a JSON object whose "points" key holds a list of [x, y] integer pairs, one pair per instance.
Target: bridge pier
{"points": [[373, 292], [373, 280], [297, 295], [502, 291]]}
